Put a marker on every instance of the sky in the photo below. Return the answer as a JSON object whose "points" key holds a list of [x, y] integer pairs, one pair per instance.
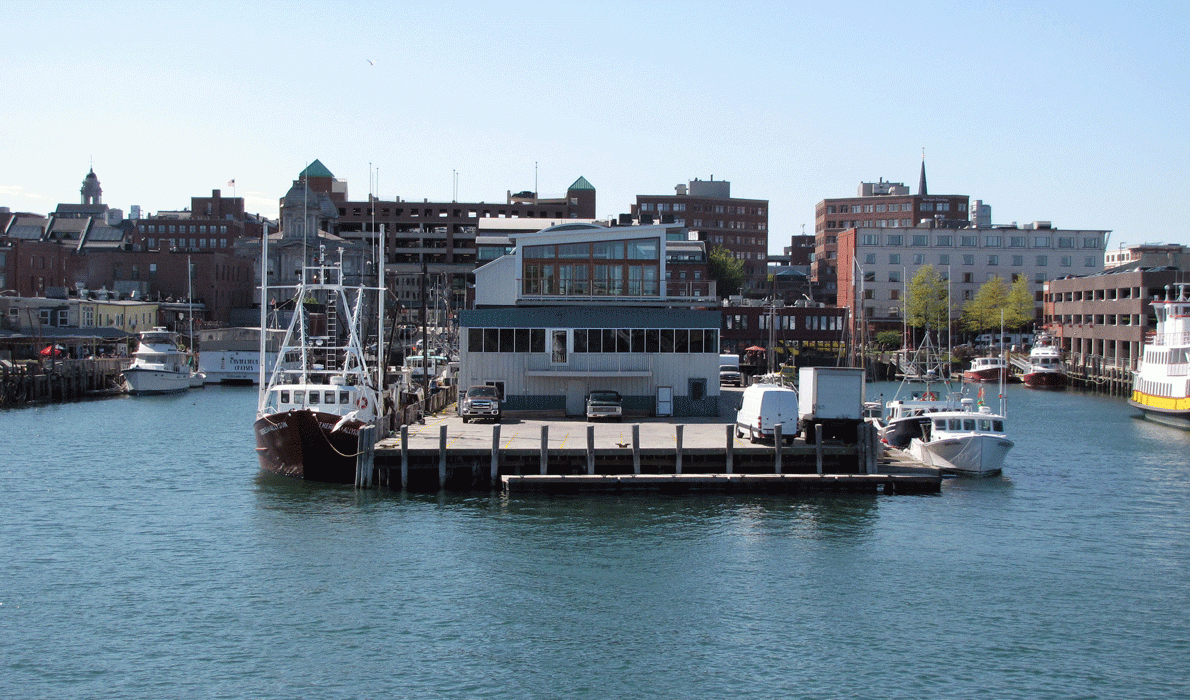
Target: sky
{"points": [[1069, 112]]}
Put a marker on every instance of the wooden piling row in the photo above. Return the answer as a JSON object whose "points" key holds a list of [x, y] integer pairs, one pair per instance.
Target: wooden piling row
{"points": [[38, 382]]}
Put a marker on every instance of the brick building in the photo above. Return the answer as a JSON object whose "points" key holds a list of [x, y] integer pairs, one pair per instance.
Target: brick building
{"points": [[718, 220], [878, 205]]}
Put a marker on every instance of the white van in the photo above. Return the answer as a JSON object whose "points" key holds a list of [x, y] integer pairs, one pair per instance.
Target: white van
{"points": [[764, 406]]}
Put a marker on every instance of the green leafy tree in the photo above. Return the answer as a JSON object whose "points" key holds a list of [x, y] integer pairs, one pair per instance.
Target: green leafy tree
{"points": [[928, 303], [983, 312], [1020, 311], [726, 270], [888, 340]]}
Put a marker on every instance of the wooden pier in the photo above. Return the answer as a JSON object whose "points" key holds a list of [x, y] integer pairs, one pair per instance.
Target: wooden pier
{"points": [[568, 456], [38, 382]]}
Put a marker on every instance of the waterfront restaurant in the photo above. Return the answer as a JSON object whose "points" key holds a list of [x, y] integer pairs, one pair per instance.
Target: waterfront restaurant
{"points": [[580, 307]]}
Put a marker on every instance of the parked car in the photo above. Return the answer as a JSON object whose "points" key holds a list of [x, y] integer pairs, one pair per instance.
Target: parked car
{"points": [[604, 404], [480, 401], [762, 407], [729, 374]]}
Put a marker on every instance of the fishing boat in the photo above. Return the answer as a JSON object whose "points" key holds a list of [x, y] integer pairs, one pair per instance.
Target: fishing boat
{"points": [[925, 388], [1161, 383], [939, 426], [159, 365], [966, 442], [321, 392], [1045, 367]]}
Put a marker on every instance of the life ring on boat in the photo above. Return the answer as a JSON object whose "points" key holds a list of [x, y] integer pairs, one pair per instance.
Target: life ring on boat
{"points": [[930, 396], [362, 402]]}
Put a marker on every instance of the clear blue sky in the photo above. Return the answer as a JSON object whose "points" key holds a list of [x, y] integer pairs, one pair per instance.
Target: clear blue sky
{"points": [[1071, 112]]}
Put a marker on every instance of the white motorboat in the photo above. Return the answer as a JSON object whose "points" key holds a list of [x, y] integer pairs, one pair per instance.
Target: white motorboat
{"points": [[1045, 367], [966, 441], [159, 365], [1161, 383]]}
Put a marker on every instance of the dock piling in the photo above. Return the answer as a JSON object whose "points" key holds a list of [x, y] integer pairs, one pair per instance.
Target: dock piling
{"points": [[678, 430], [777, 448], [590, 449], [818, 445], [636, 448], [495, 453], [404, 457], [545, 449], [442, 456], [730, 453]]}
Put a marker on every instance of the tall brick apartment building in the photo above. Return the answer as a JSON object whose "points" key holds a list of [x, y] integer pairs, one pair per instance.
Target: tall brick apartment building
{"points": [[718, 220], [878, 205]]}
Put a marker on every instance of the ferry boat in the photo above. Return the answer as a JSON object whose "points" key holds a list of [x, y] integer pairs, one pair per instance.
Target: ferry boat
{"points": [[1045, 368], [321, 392], [232, 355], [986, 369], [159, 365], [1161, 383]]}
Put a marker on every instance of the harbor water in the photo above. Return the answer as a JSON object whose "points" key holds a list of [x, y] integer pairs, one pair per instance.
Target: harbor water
{"points": [[146, 556]]}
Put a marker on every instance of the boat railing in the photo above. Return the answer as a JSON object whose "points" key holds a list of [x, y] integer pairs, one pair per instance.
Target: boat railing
{"points": [[1172, 339]]}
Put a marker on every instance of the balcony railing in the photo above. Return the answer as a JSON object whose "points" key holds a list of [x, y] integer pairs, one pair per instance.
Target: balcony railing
{"points": [[586, 292]]}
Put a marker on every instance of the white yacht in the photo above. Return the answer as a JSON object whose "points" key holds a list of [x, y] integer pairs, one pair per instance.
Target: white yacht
{"points": [[159, 365], [1161, 383]]}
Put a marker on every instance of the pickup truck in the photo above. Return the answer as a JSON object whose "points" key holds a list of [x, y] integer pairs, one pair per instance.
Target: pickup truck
{"points": [[604, 404], [480, 401]]}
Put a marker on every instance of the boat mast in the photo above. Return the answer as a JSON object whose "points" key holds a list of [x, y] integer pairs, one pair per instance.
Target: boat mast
{"points": [[264, 292]]}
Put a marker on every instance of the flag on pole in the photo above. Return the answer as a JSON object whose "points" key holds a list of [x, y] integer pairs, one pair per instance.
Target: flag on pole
{"points": [[231, 183]]}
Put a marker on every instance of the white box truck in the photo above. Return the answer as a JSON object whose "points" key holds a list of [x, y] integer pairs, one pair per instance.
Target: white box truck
{"points": [[832, 397]]}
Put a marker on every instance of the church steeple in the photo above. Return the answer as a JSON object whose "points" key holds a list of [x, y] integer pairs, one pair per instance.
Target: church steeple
{"points": [[91, 192], [921, 184]]}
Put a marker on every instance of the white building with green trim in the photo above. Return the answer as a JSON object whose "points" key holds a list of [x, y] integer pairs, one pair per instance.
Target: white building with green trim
{"points": [[579, 307]]}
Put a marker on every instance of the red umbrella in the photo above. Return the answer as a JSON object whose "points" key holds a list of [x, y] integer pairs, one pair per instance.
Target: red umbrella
{"points": [[51, 350], [754, 348]]}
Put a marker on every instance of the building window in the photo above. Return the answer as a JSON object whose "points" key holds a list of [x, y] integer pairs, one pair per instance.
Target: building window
{"points": [[919, 259], [1065, 241], [1016, 241], [1089, 261], [968, 241], [1064, 261], [1042, 260], [992, 241], [895, 239], [967, 278], [919, 240], [1041, 242], [1018, 260], [870, 259], [894, 276], [993, 259], [944, 259], [894, 259], [1090, 242], [870, 239], [968, 259], [894, 294]]}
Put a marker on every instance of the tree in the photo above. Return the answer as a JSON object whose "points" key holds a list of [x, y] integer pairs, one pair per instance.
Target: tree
{"points": [[726, 270], [1019, 311], [888, 340], [983, 313], [928, 303]]}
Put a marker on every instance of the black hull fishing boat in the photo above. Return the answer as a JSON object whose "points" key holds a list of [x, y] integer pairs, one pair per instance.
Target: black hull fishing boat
{"points": [[321, 392]]}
